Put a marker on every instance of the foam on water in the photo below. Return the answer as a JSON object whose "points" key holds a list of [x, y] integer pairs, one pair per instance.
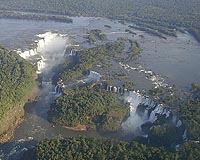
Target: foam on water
{"points": [[156, 79], [135, 121], [49, 50]]}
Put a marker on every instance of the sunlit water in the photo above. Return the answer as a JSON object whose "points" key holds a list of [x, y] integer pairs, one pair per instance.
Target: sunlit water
{"points": [[175, 59]]}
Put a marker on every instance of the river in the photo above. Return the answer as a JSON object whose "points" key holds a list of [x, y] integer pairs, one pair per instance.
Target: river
{"points": [[176, 59]]}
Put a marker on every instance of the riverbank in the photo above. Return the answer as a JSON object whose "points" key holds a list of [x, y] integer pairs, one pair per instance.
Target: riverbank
{"points": [[13, 118], [35, 127], [77, 128], [34, 16]]}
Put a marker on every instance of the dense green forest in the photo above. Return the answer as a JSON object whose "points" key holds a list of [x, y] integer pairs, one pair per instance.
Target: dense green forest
{"points": [[77, 66], [164, 95], [95, 36], [162, 132], [17, 81], [156, 15], [37, 17], [101, 149], [90, 106], [189, 113]]}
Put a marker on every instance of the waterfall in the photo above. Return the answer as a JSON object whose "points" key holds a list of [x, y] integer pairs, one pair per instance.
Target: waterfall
{"points": [[72, 52], [185, 135], [94, 76], [135, 121], [157, 80], [40, 44], [58, 90], [38, 55], [47, 37], [40, 65]]}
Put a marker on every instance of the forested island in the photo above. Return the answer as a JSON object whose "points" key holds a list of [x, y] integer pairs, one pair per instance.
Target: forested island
{"points": [[157, 147], [89, 107], [17, 85], [155, 16], [87, 103], [94, 36], [77, 66], [76, 107]]}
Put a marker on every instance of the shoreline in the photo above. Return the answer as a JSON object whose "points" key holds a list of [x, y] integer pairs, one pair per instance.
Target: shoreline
{"points": [[13, 121], [78, 128], [68, 19]]}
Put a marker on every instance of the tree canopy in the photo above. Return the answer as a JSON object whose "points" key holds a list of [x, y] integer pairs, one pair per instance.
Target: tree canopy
{"points": [[17, 80], [88, 106], [102, 149], [157, 15]]}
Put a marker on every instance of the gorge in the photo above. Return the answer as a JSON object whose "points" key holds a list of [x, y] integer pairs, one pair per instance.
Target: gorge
{"points": [[48, 51]]}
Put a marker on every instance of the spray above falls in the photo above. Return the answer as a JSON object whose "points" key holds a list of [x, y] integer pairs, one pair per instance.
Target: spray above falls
{"points": [[39, 44], [135, 121], [48, 51]]}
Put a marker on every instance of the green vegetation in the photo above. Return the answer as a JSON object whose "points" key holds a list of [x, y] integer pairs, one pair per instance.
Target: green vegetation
{"points": [[37, 17], [117, 76], [164, 95], [90, 106], [190, 151], [189, 112], [154, 30], [77, 66], [162, 132], [156, 16], [95, 36], [96, 149], [195, 87], [107, 26], [17, 81], [129, 85], [165, 136], [134, 50]]}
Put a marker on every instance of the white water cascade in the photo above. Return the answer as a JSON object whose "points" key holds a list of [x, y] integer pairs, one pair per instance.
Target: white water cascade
{"points": [[157, 80], [95, 76], [40, 44], [135, 121], [58, 90], [41, 53]]}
